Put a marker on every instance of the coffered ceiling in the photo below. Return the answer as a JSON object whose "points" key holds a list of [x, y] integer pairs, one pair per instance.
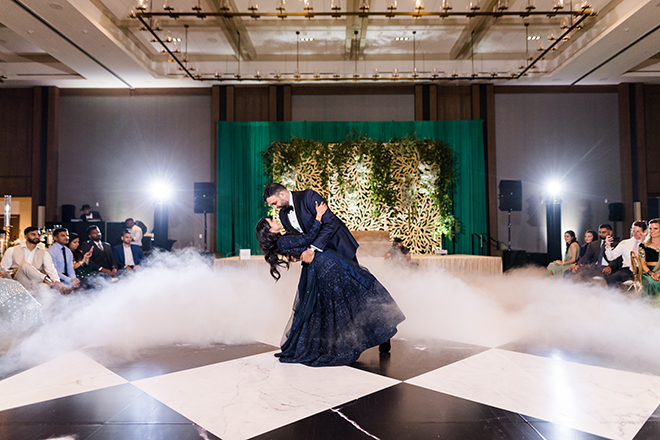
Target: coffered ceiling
{"points": [[94, 43]]}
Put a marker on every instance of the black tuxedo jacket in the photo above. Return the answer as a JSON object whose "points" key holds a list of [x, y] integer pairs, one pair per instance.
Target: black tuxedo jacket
{"points": [[590, 258], [333, 235], [100, 258]]}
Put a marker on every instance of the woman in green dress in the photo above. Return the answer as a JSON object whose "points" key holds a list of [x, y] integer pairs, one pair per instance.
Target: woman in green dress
{"points": [[558, 267], [649, 251]]}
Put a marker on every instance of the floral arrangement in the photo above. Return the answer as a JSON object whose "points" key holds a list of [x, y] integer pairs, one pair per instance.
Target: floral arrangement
{"points": [[403, 185]]}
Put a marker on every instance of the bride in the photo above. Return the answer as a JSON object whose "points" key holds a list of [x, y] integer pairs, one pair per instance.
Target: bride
{"points": [[340, 308]]}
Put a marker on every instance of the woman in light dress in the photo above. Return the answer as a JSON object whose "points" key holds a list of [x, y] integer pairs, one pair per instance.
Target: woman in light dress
{"points": [[558, 267]]}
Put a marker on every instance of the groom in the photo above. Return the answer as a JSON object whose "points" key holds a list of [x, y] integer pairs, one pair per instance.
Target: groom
{"points": [[298, 213]]}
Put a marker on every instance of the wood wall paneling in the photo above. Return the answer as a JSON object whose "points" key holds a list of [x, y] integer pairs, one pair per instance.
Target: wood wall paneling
{"points": [[45, 151], [625, 152], [16, 142], [640, 152], [652, 137], [52, 124], [637, 166], [419, 102], [251, 103], [353, 89], [454, 103]]}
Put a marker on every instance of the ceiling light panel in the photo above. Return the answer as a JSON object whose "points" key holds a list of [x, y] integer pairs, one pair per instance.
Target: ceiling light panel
{"points": [[436, 40], [510, 39], [278, 41]]}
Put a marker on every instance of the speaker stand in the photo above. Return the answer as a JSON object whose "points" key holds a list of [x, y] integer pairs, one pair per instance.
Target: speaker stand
{"points": [[206, 248], [509, 245]]}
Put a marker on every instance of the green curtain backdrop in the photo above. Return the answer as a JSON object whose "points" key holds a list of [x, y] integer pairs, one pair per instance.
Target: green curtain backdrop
{"points": [[241, 179]]}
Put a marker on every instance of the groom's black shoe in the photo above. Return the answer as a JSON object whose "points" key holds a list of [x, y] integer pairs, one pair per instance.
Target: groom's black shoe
{"points": [[385, 347]]}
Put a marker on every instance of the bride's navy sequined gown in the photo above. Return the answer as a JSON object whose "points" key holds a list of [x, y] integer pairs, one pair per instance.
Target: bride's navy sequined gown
{"points": [[340, 310]]}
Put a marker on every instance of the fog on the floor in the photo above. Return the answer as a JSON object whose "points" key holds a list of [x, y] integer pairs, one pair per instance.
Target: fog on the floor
{"points": [[180, 298]]}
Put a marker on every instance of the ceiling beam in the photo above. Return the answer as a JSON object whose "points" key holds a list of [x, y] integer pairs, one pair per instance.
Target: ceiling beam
{"points": [[231, 27], [355, 23], [473, 33]]}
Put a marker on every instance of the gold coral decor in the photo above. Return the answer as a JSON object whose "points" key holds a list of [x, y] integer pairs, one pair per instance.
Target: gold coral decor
{"points": [[402, 186]]}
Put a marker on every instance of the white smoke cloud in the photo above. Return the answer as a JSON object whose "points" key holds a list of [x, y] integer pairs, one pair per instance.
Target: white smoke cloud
{"points": [[179, 298]]}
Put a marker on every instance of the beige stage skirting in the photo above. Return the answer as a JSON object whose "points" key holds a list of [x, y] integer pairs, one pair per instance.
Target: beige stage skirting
{"points": [[458, 265]]}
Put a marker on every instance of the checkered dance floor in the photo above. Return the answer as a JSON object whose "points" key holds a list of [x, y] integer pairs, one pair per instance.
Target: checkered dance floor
{"points": [[422, 390]]}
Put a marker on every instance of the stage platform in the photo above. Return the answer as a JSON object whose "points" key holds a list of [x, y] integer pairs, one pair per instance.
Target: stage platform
{"points": [[458, 265]]}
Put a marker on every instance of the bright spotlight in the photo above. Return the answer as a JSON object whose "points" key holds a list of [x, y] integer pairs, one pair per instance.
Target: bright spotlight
{"points": [[553, 188], [161, 191]]}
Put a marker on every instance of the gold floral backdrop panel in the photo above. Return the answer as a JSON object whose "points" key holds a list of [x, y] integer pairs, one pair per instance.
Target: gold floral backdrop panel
{"points": [[348, 191]]}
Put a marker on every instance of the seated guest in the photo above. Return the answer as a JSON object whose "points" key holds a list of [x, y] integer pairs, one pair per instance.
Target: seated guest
{"points": [[622, 250], [128, 255], [63, 258], [81, 264], [30, 264], [102, 252], [89, 215], [589, 237], [649, 251], [398, 252], [135, 230], [594, 263], [558, 267]]}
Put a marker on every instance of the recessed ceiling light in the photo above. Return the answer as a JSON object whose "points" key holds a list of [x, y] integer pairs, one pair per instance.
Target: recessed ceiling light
{"points": [[56, 6], [85, 31], [533, 37], [30, 31], [306, 39], [401, 39]]}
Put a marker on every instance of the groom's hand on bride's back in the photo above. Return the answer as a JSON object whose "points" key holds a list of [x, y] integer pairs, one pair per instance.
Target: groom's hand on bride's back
{"points": [[307, 256]]}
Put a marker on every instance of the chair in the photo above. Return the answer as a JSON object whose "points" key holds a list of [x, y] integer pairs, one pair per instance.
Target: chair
{"points": [[636, 268]]}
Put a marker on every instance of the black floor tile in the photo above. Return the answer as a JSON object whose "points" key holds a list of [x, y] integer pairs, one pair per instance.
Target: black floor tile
{"points": [[146, 409], [407, 412], [47, 431], [588, 356], [93, 407], [169, 359], [651, 429], [553, 431], [151, 432], [407, 359]]}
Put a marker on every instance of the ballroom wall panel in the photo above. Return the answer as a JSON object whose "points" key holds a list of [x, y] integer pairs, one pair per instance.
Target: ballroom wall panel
{"points": [[652, 138], [379, 107], [113, 147], [16, 141], [573, 137]]}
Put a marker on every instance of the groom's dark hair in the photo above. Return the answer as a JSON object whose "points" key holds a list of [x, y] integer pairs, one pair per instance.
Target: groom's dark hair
{"points": [[273, 189]]}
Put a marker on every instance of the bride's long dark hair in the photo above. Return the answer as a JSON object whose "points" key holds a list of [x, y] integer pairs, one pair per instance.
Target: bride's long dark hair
{"points": [[268, 244]]}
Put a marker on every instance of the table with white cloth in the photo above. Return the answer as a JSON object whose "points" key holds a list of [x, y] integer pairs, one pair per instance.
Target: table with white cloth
{"points": [[458, 265]]}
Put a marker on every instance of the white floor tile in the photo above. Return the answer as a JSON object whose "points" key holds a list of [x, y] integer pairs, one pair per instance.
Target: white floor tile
{"points": [[246, 397], [610, 403], [73, 373]]}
